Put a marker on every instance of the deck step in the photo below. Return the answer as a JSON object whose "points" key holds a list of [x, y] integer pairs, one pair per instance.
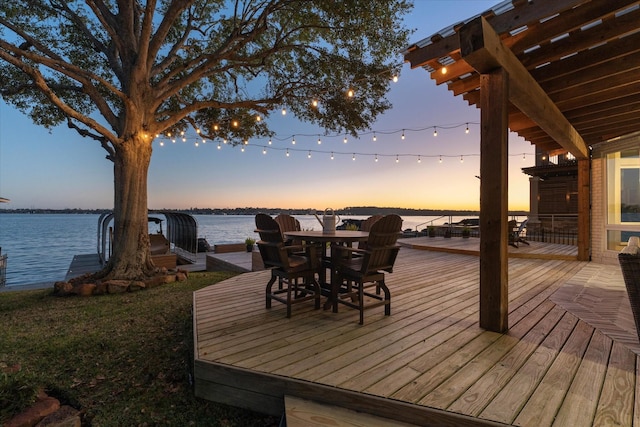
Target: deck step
{"points": [[305, 413]]}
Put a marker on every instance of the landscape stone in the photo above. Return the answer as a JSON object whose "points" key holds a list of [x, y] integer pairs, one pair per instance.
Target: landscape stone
{"points": [[117, 286], [84, 289], [137, 285]]}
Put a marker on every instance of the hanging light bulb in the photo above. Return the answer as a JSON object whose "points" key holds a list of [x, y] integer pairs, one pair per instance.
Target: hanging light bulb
{"points": [[174, 141], [435, 131], [161, 143], [309, 155], [198, 131], [258, 118], [345, 139], [284, 111], [224, 140], [287, 152], [169, 134], [314, 103], [402, 137], [353, 157], [374, 137], [319, 141], [419, 159], [293, 141], [204, 141], [443, 70], [440, 160], [524, 156], [235, 123], [246, 142], [184, 139], [264, 150], [395, 78], [376, 159], [219, 146], [397, 159], [269, 141], [242, 149], [332, 155], [350, 93], [461, 159], [196, 144], [467, 129]]}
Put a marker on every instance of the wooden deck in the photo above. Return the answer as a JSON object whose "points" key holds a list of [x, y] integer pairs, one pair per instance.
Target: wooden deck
{"points": [[429, 363]]}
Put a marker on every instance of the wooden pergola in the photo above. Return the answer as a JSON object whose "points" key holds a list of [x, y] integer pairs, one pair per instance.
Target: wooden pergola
{"points": [[564, 75]]}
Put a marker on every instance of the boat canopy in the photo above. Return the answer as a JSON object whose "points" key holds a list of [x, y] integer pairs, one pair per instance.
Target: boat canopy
{"points": [[181, 231]]}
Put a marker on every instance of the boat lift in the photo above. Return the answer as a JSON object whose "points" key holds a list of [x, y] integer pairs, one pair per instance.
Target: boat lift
{"points": [[181, 231]]}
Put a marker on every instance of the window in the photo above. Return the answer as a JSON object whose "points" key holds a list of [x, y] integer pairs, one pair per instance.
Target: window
{"points": [[623, 197]]}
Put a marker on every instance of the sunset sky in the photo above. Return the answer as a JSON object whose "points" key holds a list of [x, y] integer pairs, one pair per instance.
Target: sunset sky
{"points": [[60, 169]]}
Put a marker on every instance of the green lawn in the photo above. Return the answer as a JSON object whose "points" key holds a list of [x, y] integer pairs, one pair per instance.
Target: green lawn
{"points": [[122, 360]]}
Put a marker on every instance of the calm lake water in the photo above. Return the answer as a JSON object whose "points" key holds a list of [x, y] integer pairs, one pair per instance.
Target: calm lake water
{"points": [[40, 247]]}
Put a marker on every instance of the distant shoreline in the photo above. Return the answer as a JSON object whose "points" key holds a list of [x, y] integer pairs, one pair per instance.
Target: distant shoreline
{"points": [[352, 211]]}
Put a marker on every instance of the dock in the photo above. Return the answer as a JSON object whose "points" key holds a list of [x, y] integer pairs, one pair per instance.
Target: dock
{"points": [[570, 356]]}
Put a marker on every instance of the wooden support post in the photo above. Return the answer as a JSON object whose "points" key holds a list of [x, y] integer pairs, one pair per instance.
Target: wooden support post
{"points": [[494, 286], [584, 210]]}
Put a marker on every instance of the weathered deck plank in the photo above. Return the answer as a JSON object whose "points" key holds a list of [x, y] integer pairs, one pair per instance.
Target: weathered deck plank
{"points": [[429, 362]]}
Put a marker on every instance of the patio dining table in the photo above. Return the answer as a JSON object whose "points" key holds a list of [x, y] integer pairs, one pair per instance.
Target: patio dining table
{"points": [[343, 237]]}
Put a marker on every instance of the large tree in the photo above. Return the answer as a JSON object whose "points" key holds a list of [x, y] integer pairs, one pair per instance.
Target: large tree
{"points": [[123, 71]]}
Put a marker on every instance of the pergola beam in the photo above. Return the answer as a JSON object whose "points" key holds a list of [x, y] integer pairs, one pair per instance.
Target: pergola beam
{"points": [[482, 48]]}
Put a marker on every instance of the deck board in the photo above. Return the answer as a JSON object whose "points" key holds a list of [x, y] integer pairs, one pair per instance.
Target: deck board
{"points": [[429, 362]]}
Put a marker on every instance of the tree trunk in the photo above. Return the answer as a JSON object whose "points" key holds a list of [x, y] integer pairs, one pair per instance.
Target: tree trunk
{"points": [[131, 258]]}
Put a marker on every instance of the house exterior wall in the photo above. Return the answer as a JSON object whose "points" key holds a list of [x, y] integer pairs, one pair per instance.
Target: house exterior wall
{"points": [[599, 226]]}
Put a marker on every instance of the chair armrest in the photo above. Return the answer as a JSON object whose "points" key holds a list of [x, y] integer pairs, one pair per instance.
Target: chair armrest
{"points": [[340, 248]]}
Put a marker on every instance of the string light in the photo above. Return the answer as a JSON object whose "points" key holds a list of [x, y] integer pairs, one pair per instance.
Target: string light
{"points": [[264, 151], [350, 93], [435, 131], [467, 129], [374, 134], [284, 111], [314, 103], [395, 78], [242, 149]]}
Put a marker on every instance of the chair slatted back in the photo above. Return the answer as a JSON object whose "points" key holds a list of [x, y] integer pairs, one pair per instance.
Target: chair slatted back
{"points": [[288, 223], [271, 244], [366, 226], [381, 246]]}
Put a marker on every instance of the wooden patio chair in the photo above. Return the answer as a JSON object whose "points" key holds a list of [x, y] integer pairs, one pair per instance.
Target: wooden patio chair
{"points": [[356, 275], [286, 267]]}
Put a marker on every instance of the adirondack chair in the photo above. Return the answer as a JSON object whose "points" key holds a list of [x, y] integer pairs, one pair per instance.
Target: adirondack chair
{"points": [[515, 233], [287, 267], [356, 275]]}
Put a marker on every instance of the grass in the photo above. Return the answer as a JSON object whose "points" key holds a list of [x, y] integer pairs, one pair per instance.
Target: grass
{"points": [[122, 360]]}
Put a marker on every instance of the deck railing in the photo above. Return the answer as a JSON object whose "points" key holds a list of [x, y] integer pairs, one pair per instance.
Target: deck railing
{"points": [[554, 228]]}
